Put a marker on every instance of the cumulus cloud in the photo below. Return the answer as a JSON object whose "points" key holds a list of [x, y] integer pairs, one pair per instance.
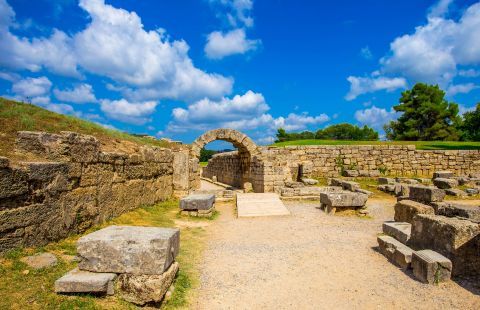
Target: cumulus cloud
{"points": [[237, 12], [128, 112], [82, 93], [375, 117], [363, 85], [114, 45], [221, 44], [439, 9], [32, 87], [460, 89]]}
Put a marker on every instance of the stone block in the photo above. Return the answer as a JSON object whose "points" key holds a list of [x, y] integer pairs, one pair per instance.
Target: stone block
{"points": [[129, 249], [351, 173], [350, 186], [442, 174], [426, 193], [308, 181], [472, 191], [444, 183], [78, 281], [431, 267], [452, 209], [13, 182], [395, 251], [343, 199], [197, 202], [456, 238], [143, 289], [406, 210], [401, 189], [399, 230], [406, 180], [39, 261], [364, 191], [384, 180], [455, 192]]}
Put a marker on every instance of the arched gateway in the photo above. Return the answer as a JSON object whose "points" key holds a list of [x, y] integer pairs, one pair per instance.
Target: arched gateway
{"points": [[248, 163]]}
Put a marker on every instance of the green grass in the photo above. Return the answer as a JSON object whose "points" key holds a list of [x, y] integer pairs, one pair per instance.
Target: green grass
{"points": [[17, 116], [420, 145], [203, 163], [34, 290]]}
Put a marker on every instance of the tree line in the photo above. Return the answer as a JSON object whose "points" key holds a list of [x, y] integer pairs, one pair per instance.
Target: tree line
{"points": [[425, 116]]}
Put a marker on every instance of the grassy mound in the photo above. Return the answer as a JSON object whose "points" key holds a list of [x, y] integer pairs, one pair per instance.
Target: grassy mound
{"points": [[420, 145], [17, 116]]}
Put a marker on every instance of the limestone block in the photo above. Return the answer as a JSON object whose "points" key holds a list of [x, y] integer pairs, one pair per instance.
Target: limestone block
{"points": [[247, 187], [39, 261], [442, 174], [350, 186], [445, 183], [457, 239], [455, 192], [197, 202], [406, 210], [395, 251], [343, 199], [351, 173], [431, 267], [406, 180], [469, 191], [401, 189], [142, 289], [79, 281], [308, 181], [426, 194], [384, 180], [399, 230], [129, 249], [452, 209], [13, 182]]}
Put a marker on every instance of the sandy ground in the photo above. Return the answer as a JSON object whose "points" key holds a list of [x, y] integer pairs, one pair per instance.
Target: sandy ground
{"points": [[206, 186], [312, 261]]}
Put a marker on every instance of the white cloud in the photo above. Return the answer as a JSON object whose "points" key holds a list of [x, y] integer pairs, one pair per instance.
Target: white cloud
{"points": [[59, 108], [440, 8], [463, 109], [32, 87], [469, 73], [366, 53], [237, 12], [363, 85], [233, 42], [128, 112], [82, 93], [375, 117], [9, 76], [460, 89]]}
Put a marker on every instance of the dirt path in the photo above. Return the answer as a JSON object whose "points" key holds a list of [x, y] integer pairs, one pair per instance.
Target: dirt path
{"points": [[312, 261]]}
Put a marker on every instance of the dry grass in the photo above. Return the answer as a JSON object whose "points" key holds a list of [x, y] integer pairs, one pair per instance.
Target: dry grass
{"points": [[34, 290]]}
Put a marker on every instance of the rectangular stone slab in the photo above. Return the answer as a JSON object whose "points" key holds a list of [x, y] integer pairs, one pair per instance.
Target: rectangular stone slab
{"points": [[343, 199], [399, 230], [405, 210], [426, 194], [442, 174], [78, 281], [197, 202], [395, 251], [431, 267], [129, 249]]}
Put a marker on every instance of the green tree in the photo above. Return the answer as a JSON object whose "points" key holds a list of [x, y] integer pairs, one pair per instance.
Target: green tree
{"points": [[346, 131], [205, 154], [471, 125], [427, 116]]}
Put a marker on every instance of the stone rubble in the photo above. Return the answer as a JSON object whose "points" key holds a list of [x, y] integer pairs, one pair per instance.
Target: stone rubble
{"points": [[431, 267]]}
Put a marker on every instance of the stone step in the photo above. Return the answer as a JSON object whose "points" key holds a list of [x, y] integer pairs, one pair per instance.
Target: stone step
{"points": [[431, 267], [79, 281], [398, 230], [395, 251]]}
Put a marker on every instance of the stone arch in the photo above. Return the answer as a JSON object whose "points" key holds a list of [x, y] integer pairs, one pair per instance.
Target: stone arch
{"points": [[248, 154]]}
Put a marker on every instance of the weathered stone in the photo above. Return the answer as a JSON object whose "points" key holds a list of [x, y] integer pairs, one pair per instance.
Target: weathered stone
{"points": [[129, 249], [247, 187], [79, 281], [364, 191], [39, 261], [350, 186], [452, 209], [406, 180], [384, 180], [406, 210], [431, 267], [456, 238], [343, 199], [142, 289], [401, 189], [294, 184], [426, 194], [13, 182], [395, 251], [442, 174], [399, 230], [444, 183], [455, 192], [351, 173], [214, 178], [4, 162], [197, 202], [472, 191], [308, 181]]}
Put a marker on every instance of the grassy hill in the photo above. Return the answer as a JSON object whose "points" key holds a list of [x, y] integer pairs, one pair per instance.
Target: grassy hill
{"points": [[17, 116], [420, 145]]}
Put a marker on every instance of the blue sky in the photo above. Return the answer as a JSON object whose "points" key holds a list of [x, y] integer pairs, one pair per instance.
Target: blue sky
{"points": [[177, 68]]}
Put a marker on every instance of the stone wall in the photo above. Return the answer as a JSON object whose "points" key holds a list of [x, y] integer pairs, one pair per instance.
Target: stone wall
{"points": [[78, 186], [274, 166]]}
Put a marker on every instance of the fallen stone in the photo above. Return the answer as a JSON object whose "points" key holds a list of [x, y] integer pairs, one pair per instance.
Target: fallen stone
{"points": [[78, 281], [129, 249], [472, 191], [431, 267], [384, 180], [345, 199], [444, 183], [351, 173], [399, 230], [455, 192], [426, 194], [197, 202], [406, 180], [364, 191], [463, 180], [456, 238], [142, 289], [406, 210], [39, 261], [395, 251], [294, 184], [442, 174], [214, 178], [308, 181], [350, 186], [452, 209], [401, 189]]}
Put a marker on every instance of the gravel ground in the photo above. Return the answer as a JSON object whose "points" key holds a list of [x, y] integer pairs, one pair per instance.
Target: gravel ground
{"points": [[312, 261]]}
